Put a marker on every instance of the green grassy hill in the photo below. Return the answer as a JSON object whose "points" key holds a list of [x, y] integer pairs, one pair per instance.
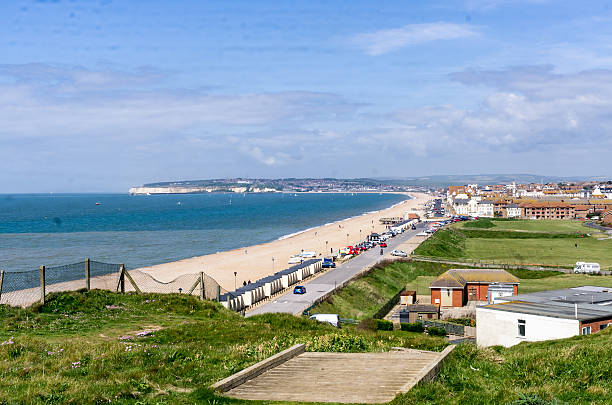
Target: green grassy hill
{"points": [[101, 347]]}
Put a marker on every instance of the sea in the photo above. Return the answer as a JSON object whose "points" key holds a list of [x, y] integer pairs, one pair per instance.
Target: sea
{"points": [[141, 230]]}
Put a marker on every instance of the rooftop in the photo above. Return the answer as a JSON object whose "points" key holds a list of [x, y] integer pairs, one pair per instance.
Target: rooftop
{"points": [[585, 312], [579, 295], [458, 278]]}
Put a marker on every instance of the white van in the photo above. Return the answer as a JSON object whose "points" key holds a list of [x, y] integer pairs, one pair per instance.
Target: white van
{"points": [[332, 319], [586, 268]]}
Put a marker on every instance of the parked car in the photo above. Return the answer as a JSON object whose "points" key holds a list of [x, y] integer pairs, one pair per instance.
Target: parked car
{"points": [[399, 253], [332, 319], [383, 244], [299, 289], [328, 264], [422, 234]]}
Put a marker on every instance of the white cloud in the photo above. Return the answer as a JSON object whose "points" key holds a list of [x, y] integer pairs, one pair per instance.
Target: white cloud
{"points": [[389, 40]]}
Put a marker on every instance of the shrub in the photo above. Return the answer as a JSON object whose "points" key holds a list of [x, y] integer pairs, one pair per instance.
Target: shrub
{"points": [[462, 321], [368, 324], [413, 327], [433, 331], [382, 324]]}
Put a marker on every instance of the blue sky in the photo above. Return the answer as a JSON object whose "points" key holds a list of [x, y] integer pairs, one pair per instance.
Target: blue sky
{"points": [[104, 95]]}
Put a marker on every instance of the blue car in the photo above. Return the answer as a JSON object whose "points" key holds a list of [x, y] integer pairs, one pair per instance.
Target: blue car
{"points": [[300, 289], [328, 264]]}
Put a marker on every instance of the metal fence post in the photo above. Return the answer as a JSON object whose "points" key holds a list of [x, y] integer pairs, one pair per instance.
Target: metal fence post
{"points": [[202, 285], [218, 292], [42, 284], [1, 282], [87, 280], [122, 279]]}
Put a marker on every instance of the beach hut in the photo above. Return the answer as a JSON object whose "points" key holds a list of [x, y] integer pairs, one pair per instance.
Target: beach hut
{"points": [[271, 284], [288, 276], [251, 293], [232, 301]]}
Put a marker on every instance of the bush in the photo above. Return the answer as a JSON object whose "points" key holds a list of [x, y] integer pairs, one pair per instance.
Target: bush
{"points": [[413, 327], [382, 324], [462, 321], [368, 324], [433, 331]]}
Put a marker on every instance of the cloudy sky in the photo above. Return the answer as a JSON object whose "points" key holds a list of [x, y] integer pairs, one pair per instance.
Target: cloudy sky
{"points": [[104, 95]]}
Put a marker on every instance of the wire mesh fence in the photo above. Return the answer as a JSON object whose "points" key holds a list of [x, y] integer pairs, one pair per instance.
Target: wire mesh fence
{"points": [[26, 288]]}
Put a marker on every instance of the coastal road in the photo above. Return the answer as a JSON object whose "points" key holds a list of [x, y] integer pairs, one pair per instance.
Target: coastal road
{"points": [[316, 288]]}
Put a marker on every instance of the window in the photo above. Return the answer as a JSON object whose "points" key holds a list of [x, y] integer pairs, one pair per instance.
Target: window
{"points": [[603, 326], [586, 330], [521, 327]]}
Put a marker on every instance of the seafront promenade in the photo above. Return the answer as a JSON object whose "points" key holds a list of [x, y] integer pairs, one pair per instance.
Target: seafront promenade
{"points": [[258, 261], [324, 285]]}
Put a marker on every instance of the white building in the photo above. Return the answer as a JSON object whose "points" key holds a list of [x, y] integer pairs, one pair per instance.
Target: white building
{"points": [[485, 209], [544, 316], [513, 211]]}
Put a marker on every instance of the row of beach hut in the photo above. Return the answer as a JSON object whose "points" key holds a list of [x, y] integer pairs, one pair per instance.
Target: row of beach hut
{"points": [[266, 287]]}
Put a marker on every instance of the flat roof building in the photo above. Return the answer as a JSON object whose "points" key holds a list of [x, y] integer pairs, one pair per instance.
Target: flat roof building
{"points": [[544, 315]]}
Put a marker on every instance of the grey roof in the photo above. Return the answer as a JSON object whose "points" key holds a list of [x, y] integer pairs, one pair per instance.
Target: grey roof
{"points": [[291, 269], [460, 201], [580, 295], [512, 206], [421, 308], [586, 312], [485, 202]]}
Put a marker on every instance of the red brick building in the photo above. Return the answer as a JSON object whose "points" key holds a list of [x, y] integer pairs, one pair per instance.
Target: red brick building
{"points": [[456, 287], [548, 210]]}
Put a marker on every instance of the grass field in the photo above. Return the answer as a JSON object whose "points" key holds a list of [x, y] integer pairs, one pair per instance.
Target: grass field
{"points": [[534, 225], [554, 243]]}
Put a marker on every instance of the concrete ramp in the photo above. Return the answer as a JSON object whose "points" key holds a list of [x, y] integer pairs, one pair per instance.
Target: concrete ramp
{"points": [[342, 377]]}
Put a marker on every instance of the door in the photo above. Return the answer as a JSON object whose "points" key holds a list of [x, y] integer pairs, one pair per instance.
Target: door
{"points": [[446, 295]]}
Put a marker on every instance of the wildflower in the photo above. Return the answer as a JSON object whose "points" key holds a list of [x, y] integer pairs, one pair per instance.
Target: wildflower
{"points": [[144, 333], [126, 337], [76, 364], [7, 342]]}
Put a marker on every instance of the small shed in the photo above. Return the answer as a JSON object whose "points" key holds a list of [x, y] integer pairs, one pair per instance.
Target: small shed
{"points": [[408, 297], [412, 313]]}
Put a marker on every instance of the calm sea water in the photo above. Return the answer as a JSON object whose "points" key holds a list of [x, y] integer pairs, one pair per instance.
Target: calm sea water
{"points": [[146, 230]]}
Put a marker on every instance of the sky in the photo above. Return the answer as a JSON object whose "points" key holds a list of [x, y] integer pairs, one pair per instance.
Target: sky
{"points": [[105, 95]]}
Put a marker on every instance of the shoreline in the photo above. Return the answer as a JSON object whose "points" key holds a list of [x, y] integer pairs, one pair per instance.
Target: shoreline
{"points": [[260, 260]]}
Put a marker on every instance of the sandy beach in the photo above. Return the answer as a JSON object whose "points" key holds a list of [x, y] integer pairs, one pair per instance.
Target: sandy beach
{"points": [[254, 262]]}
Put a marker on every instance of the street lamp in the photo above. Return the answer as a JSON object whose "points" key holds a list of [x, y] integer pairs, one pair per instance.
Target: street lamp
{"points": [[347, 236], [235, 274], [326, 246], [272, 264]]}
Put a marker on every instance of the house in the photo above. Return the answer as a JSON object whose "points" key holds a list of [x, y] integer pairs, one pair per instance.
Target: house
{"points": [[461, 206], [485, 209], [544, 315], [512, 211], [456, 287], [412, 313]]}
